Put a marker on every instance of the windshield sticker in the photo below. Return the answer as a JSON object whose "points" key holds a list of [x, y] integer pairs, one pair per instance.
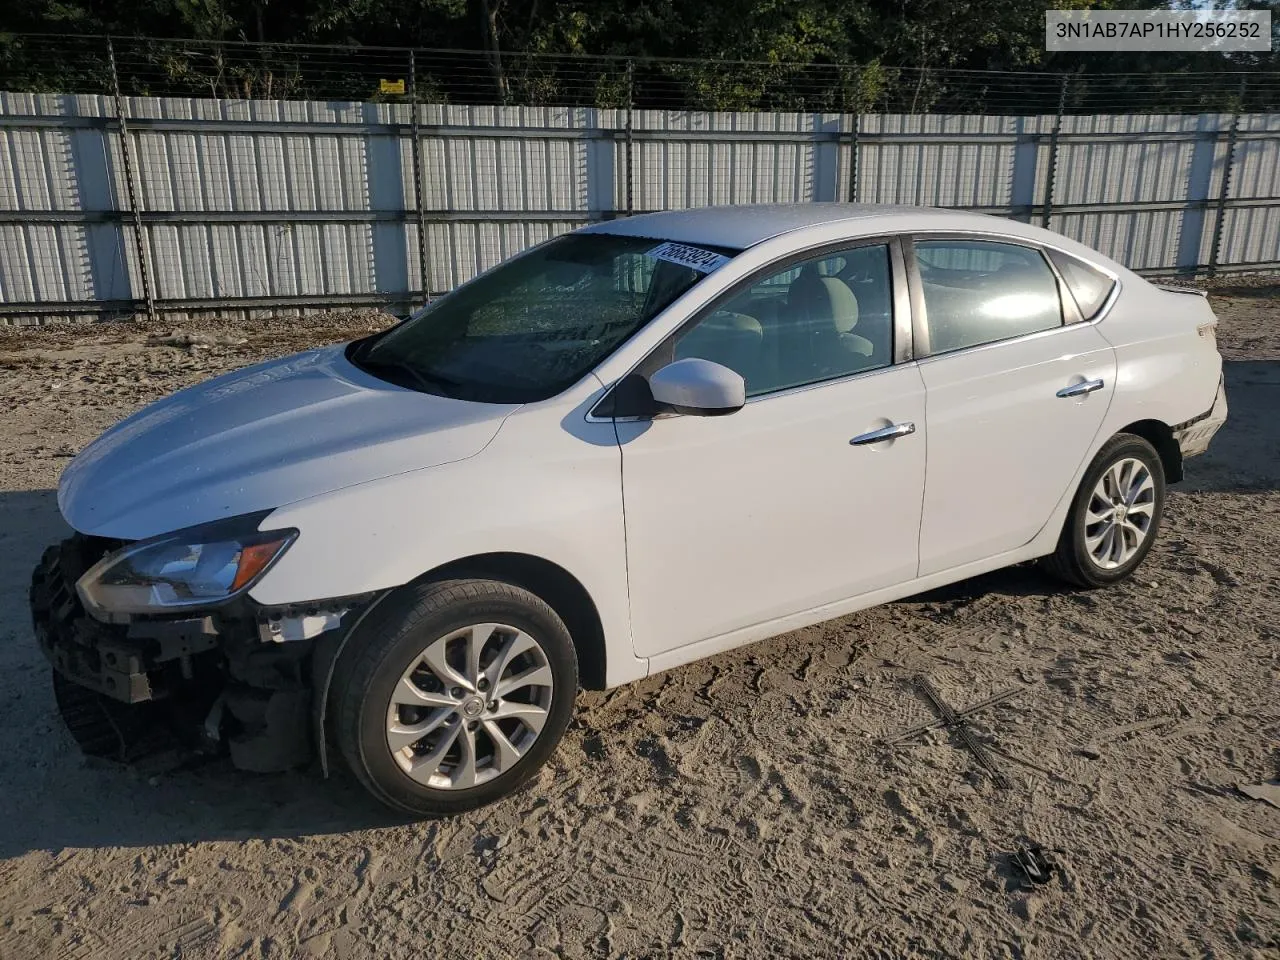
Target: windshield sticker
{"points": [[704, 261]]}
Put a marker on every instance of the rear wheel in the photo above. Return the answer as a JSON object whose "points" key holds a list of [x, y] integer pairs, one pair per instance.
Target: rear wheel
{"points": [[453, 694], [1114, 516]]}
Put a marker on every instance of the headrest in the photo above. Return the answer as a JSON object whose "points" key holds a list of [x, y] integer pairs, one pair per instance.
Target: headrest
{"points": [[824, 299], [738, 322]]}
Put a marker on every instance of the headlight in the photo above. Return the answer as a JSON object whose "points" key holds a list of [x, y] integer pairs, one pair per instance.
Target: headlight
{"points": [[190, 568]]}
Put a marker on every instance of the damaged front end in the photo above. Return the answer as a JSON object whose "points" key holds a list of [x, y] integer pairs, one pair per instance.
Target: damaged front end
{"points": [[232, 675]]}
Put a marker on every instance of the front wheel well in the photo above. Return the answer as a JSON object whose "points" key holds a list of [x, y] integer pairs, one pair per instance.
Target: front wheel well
{"points": [[1160, 436], [558, 587]]}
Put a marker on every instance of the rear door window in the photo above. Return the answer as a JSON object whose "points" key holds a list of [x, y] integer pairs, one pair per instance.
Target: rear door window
{"points": [[983, 291]]}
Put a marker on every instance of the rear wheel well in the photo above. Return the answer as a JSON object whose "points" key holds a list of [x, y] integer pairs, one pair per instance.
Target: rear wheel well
{"points": [[1160, 436], [555, 585]]}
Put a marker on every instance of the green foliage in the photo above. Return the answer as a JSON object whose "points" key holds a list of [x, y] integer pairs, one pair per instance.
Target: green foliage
{"points": [[726, 55]]}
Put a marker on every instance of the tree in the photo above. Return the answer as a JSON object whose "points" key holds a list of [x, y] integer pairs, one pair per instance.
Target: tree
{"points": [[796, 47]]}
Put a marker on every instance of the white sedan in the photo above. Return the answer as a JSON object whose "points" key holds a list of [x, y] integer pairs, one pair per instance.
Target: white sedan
{"points": [[630, 447]]}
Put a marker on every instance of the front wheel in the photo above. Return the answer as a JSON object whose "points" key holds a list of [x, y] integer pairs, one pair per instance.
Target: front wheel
{"points": [[453, 694], [1114, 516]]}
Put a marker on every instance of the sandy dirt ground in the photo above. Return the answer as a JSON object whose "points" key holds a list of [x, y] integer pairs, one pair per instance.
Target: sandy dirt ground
{"points": [[746, 806]]}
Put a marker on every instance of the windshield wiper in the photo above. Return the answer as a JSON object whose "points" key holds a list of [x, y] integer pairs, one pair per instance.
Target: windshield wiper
{"points": [[428, 382], [365, 344]]}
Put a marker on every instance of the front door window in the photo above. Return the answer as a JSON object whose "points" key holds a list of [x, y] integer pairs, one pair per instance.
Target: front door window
{"points": [[817, 320]]}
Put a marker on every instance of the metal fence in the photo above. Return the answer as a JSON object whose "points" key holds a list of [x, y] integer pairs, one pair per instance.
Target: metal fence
{"points": [[210, 197]]}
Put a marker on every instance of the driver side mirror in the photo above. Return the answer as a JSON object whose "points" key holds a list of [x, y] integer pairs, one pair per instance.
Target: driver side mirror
{"points": [[698, 388]]}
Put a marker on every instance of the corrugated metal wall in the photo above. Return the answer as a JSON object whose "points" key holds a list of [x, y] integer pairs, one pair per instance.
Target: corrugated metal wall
{"points": [[263, 204]]}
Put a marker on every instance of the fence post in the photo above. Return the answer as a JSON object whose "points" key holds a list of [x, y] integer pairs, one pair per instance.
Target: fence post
{"points": [[126, 156], [856, 127], [853, 157], [1051, 174], [630, 141], [423, 280], [1228, 163]]}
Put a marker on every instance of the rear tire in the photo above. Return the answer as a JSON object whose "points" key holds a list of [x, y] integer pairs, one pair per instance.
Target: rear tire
{"points": [[1114, 517], [452, 694]]}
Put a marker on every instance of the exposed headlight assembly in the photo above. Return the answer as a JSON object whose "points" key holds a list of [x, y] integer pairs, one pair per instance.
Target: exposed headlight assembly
{"points": [[197, 567]]}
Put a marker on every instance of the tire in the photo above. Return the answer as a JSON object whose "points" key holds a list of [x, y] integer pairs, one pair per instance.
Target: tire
{"points": [[416, 647], [1081, 557]]}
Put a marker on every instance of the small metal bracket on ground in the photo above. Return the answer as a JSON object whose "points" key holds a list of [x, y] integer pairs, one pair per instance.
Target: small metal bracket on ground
{"points": [[1033, 865]]}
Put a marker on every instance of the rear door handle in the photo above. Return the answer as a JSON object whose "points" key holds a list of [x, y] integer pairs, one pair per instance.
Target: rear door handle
{"points": [[1081, 388], [883, 434]]}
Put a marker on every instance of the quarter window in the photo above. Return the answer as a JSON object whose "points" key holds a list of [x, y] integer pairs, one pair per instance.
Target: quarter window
{"points": [[979, 291], [1088, 285], [819, 319]]}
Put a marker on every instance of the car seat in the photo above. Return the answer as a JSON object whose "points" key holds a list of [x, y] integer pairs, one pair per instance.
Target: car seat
{"points": [[818, 338]]}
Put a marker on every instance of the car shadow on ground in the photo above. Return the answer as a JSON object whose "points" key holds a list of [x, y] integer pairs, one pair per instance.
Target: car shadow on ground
{"points": [[53, 797], [1024, 580], [1245, 455]]}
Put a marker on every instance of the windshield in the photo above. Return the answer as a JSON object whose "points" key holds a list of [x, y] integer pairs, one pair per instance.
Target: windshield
{"points": [[538, 323]]}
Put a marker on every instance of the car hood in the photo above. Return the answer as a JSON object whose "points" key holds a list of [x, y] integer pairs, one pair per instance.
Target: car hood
{"points": [[262, 437]]}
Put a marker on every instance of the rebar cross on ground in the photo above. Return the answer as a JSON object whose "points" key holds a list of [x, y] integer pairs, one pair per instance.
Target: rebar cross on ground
{"points": [[957, 723]]}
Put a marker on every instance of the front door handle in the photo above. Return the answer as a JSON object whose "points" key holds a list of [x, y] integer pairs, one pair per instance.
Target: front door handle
{"points": [[1081, 389], [883, 434]]}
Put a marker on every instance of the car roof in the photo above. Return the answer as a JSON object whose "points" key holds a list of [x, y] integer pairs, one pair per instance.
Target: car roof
{"points": [[740, 226]]}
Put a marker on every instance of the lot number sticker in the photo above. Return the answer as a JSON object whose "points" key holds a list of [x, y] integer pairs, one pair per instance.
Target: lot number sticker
{"points": [[704, 261]]}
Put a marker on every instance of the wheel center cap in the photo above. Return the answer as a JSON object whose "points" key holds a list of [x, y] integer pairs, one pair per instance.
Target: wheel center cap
{"points": [[1120, 511], [473, 707]]}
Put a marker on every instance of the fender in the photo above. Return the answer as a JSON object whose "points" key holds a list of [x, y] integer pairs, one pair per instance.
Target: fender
{"points": [[324, 660], [549, 485]]}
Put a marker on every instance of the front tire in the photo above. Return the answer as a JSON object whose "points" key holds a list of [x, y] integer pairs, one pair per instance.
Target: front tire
{"points": [[1114, 517], [452, 694]]}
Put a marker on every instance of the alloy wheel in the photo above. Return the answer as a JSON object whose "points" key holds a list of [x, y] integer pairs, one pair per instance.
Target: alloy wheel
{"points": [[469, 706], [1119, 516]]}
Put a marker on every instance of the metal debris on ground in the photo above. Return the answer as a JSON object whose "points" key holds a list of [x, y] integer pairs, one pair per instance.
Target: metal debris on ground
{"points": [[1029, 862], [1033, 864], [937, 723], [956, 722]]}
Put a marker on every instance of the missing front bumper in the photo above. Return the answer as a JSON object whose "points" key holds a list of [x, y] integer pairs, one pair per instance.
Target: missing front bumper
{"points": [[207, 682], [133, 663]]}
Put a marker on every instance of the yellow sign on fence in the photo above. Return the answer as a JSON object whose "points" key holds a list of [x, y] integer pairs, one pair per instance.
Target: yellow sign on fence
{"points": [[391, 86]]}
